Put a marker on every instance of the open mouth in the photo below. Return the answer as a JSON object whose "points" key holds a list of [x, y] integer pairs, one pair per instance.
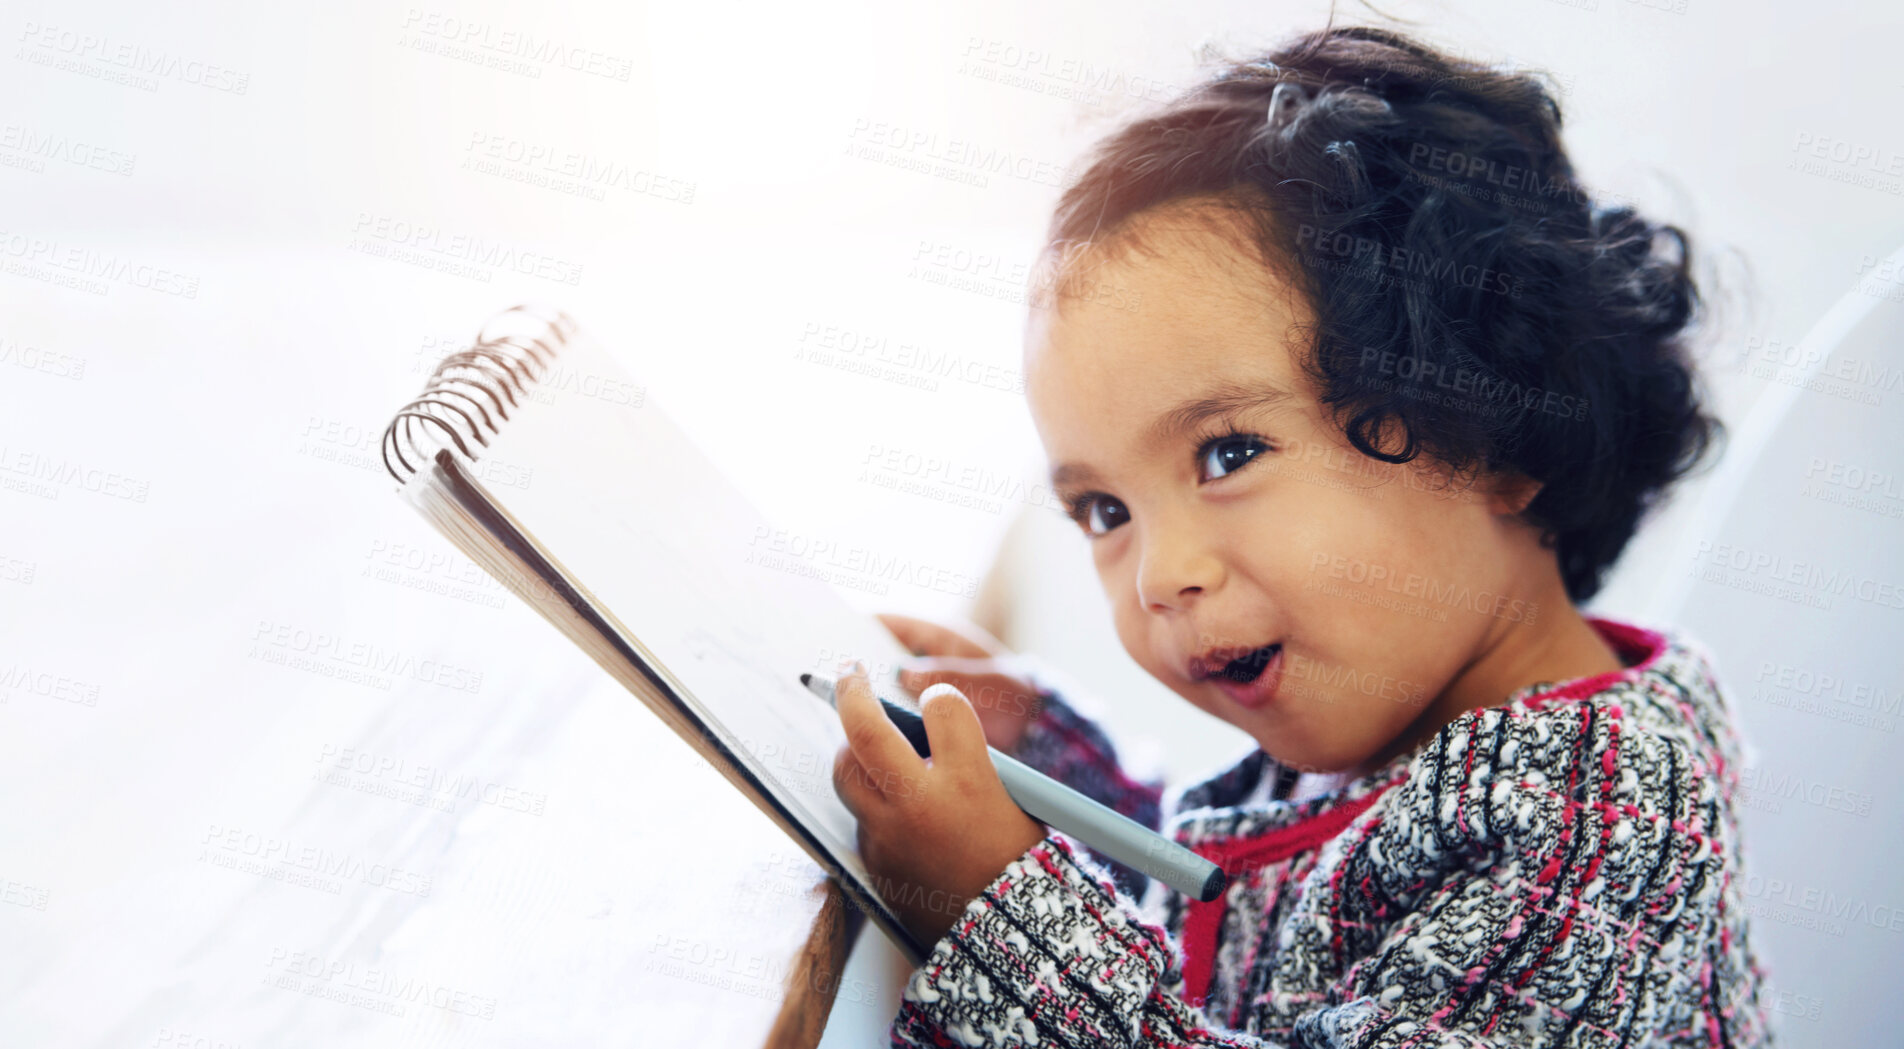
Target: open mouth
{"points": [[1247, 668], [1238, 665], [1251, 679]]}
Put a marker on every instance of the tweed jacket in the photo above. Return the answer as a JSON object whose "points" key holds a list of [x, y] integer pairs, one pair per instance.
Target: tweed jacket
{"points": [[1560, 869]]}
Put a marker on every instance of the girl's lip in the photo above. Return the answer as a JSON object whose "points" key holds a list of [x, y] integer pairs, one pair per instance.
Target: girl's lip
{"points": [[1257, 693]]}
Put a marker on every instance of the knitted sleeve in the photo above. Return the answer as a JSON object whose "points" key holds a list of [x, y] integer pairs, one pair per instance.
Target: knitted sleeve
{"points": [[1543, 878], [1050, 954], [1075, 750], [1535, 874]]}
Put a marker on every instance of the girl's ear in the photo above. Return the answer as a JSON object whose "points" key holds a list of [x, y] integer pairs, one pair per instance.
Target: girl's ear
{"points": [[1509, 493]]}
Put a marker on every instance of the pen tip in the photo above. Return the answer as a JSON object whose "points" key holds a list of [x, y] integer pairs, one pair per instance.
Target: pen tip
{"points": [[805, 679], [1214, 884]]}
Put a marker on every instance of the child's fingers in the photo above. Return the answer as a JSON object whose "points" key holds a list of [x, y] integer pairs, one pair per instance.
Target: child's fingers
{"points": [[998, 678], [953, 730], [934, 669], [876, 742], [1006, 704], [855, 788], [926, 638]]}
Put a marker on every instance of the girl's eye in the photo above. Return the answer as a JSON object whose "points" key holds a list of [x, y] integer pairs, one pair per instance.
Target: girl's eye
{"points": [[1098, 513], [1223, 455]]}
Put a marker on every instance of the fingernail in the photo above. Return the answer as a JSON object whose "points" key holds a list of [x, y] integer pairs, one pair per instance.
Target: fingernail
{"points": [[848, 667]]}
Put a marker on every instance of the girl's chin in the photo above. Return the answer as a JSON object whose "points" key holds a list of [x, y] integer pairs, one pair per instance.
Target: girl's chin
{"points": [[1303, 754]]}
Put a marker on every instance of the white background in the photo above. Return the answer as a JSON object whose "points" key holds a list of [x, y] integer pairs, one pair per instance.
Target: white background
{"points": [[758, 205]]}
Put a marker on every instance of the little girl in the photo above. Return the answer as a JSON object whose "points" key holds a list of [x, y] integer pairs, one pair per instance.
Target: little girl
{"points": [[1356, 396]]}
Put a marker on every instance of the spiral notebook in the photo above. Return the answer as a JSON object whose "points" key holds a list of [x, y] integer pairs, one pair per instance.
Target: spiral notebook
{"points": [[554, 469]]}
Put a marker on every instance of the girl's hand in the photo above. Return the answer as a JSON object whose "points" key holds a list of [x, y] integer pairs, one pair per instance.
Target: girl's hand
{"points": [[934, 831], [975, 663]]}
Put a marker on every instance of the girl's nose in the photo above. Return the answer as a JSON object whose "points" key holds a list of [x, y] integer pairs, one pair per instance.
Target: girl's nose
{"points": [[1175, 568]]}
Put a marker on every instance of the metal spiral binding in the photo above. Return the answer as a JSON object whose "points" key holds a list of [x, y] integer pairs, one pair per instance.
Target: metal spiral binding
{"points": [[499, 367]]}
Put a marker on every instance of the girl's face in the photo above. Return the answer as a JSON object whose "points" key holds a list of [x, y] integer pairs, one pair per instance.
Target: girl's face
{"points": [[1319, 600]]}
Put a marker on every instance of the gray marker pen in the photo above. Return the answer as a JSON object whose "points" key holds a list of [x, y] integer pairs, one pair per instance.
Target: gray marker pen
{"points": [[1044, 799]]}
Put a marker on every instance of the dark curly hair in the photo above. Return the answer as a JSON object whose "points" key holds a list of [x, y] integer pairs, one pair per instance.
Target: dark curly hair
{"points": [[1472, 302]]}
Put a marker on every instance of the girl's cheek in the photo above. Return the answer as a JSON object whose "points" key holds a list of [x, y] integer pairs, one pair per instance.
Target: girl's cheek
{"points": [[1133, 632]]}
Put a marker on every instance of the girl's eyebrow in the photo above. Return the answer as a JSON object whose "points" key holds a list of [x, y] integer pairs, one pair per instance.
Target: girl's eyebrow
{"points": [[1221, 398], [1065, 475]]}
